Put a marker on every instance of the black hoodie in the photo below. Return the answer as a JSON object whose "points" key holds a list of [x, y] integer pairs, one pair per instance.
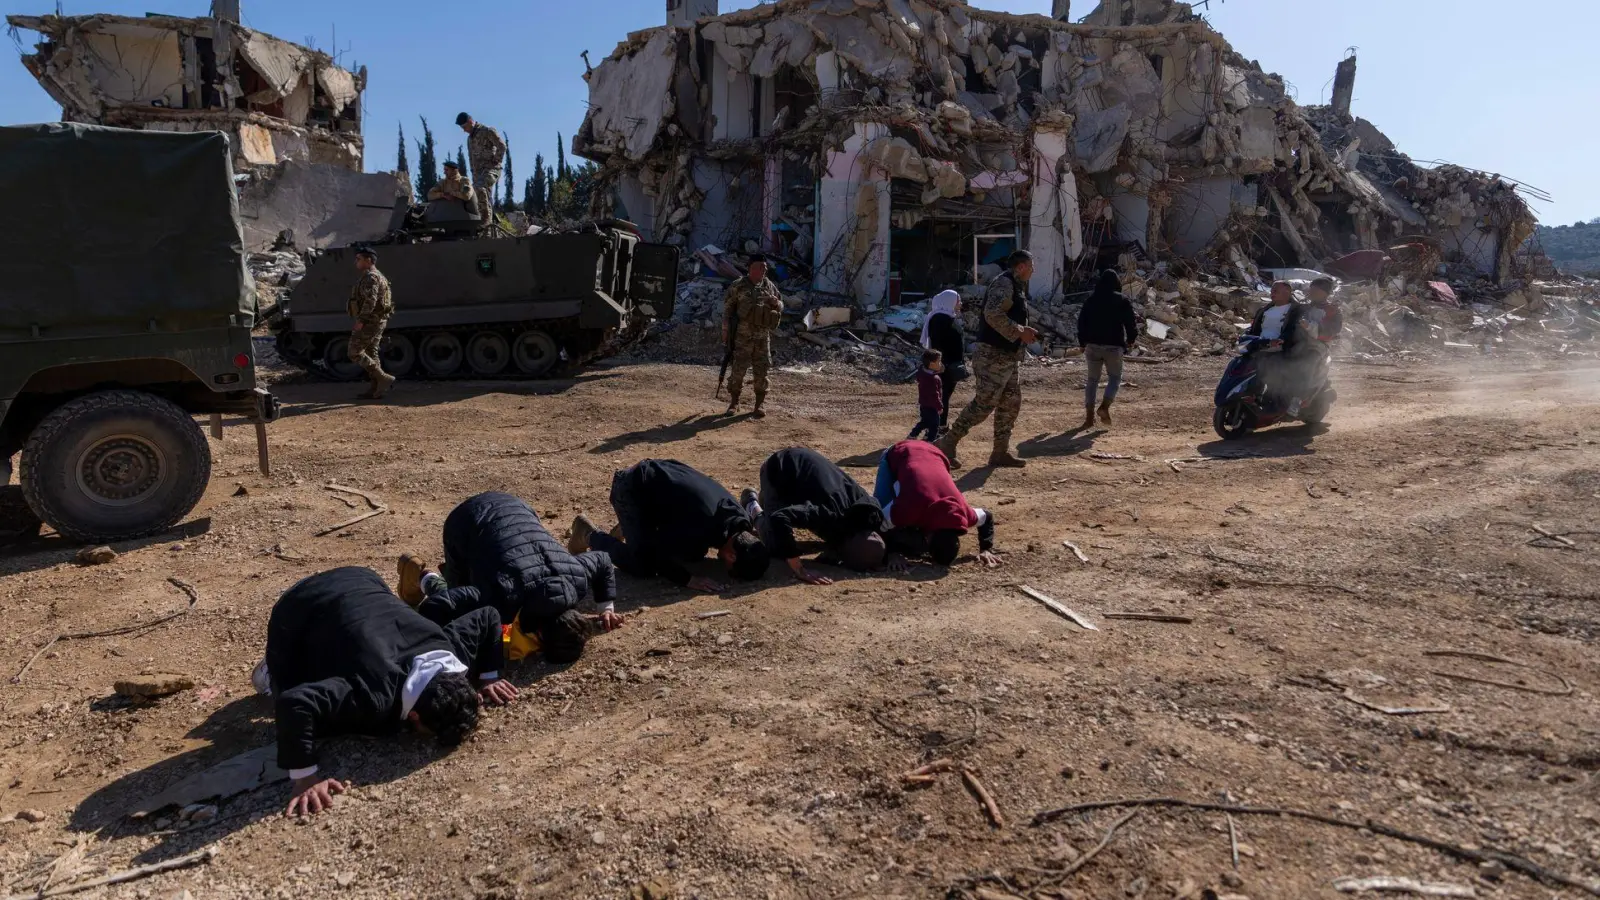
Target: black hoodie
{"points": [[1107, 316]]}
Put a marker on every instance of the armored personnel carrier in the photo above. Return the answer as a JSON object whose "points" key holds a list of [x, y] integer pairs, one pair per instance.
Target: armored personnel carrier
{"points": [[468, 306]]}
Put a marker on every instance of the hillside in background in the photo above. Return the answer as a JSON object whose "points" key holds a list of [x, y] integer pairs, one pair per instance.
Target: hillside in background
{"points": [[1574, 248]]}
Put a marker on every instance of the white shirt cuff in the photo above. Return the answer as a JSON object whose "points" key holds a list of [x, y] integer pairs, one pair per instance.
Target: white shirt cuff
{"points": [[297, 774], [489, 676], [983, 515]]}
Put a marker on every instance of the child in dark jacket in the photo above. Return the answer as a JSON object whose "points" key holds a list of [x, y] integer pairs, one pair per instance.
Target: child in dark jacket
{"points": [[930, 395]]}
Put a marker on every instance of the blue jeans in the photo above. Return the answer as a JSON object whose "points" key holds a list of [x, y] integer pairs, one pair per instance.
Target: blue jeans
{"points": [[883, 488], [1109, 358]]}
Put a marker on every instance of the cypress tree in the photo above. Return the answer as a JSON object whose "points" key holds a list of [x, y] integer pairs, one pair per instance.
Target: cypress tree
{"points": [[539, 187], [561, 158], [427, 162], [511, 182], [401, 164]]}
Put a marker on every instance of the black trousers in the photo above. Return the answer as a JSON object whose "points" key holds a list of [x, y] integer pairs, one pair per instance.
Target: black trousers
{"points": [[930, 423], [948, 379], [631, 517]]}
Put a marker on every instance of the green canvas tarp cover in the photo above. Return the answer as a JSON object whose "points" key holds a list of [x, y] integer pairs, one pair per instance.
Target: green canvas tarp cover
{"points": [[107, 230]]}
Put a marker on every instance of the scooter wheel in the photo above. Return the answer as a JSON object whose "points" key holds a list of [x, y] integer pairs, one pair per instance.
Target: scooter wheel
{"points": [[1233, 421]]}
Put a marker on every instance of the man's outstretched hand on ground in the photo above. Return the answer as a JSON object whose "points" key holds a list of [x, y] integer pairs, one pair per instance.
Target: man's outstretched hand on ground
{"points": [[313, 795]]}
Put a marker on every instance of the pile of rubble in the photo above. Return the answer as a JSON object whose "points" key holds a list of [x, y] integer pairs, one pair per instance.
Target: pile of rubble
{"points": [[276, 272]]}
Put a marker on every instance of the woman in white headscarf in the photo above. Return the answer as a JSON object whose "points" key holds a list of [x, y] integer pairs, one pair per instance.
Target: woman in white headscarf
{"points": [[941, 331]]}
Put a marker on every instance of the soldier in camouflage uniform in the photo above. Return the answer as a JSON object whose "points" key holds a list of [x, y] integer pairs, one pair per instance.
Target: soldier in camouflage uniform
{"points": [[370, 305], [996, 364], [756, 304], [486, 150], [454, 187]]}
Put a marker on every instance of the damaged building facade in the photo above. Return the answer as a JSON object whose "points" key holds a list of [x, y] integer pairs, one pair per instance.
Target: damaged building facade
{"points": [[292, 115], [275, 99], [890, 148]]}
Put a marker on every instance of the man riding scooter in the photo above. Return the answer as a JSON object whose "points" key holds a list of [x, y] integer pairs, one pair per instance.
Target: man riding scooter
{"points": [[1284, 360]]}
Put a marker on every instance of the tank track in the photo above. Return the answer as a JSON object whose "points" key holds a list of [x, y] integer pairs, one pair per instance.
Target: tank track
{"points": [[584, 346]]}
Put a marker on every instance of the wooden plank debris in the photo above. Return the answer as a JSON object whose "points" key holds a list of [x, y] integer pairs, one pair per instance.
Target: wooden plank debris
{"points": [[1059, 609]]}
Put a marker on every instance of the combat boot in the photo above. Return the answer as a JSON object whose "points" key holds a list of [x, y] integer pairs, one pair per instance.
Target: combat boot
{"points": [[733, 405], [381, 385], [1088, 419], [1003, 458], [947, 446], [758, 413], [578, 539], [1105, 412], [412, 569]]}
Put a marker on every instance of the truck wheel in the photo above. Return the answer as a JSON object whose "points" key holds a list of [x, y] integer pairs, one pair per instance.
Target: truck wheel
{"points": [[115, 465], [440, 354], [535, 353], [398, 355], [336, 357], [488, 353]]}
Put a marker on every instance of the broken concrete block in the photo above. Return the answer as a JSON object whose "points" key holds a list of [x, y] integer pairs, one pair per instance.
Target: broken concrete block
{"points": [[95, 556], [151, 685]]}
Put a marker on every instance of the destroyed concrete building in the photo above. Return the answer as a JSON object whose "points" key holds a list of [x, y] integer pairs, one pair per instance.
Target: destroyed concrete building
{"points": [[890, 148], [292, 114], [275, 99]]}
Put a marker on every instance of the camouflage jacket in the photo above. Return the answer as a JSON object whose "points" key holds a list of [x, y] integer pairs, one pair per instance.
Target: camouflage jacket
{"points": [[444, 190], [1000, 317], [487, 151], [371, 300], [758, 307]]}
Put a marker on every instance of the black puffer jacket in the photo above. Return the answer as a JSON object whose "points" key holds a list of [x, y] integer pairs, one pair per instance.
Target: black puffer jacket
{"points": [[495, 543]]}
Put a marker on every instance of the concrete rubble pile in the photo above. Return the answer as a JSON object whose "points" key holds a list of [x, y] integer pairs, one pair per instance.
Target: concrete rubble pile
{"points": [[881, 150], [293, 116]]}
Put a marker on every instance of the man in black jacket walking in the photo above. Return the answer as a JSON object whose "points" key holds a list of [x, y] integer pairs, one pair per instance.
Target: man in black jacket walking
{"points": [[802, 489], [499, 554], [1106, 328], [346, 656], [669, 516]]}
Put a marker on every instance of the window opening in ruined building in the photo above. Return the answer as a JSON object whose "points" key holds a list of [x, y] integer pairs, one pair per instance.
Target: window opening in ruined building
{"points": [[794, 92], [206, 52]]}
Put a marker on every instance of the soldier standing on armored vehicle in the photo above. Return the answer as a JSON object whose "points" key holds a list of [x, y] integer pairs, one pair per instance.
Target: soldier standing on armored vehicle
{"points": [[486, 149], [371, 303], [754, 306]]}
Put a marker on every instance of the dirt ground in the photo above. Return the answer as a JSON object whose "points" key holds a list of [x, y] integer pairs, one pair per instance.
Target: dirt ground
{"points": [[758, 754]]}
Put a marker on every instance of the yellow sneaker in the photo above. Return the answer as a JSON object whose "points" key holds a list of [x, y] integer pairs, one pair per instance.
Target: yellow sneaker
{"points": [[411, 569]]}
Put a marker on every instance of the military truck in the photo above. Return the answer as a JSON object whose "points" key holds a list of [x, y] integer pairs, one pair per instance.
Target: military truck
{"points": [[483, 307], [125, 311]]}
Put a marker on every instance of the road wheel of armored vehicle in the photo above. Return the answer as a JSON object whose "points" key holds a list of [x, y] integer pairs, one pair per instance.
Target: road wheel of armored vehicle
{"points": [[398, 354], [336, 358], [535, 353], [114, 466], [488, 353], [440, 354]]}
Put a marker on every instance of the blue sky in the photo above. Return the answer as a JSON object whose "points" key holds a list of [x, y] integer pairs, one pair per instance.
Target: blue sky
{"points": [[1507, 87]]}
